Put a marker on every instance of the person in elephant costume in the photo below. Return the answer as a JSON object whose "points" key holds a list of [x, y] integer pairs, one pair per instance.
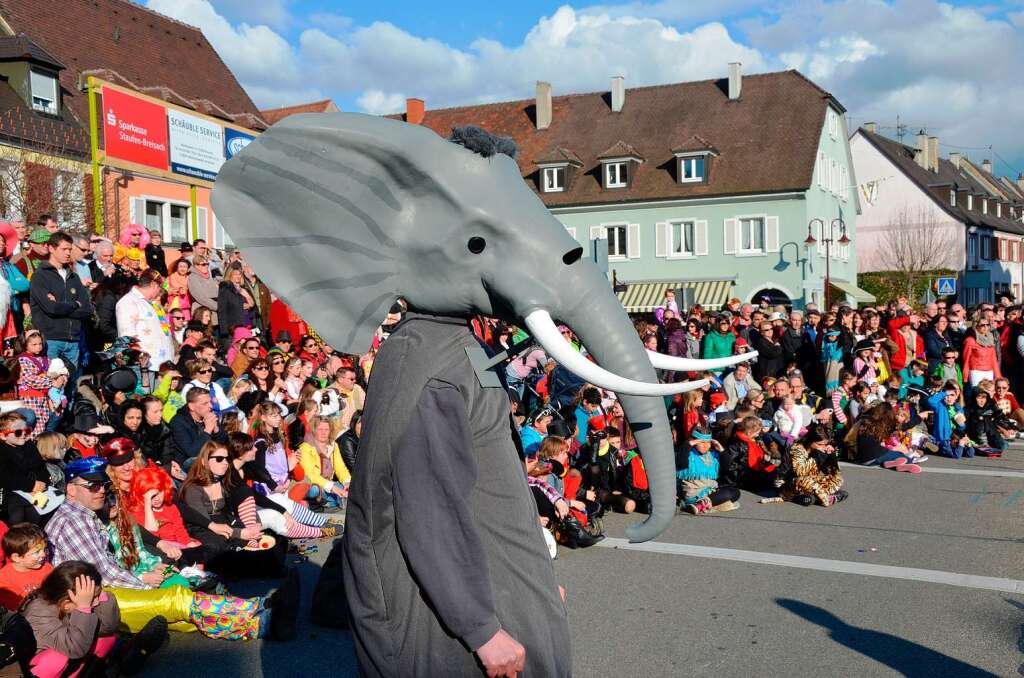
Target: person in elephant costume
{"points": [[446, 570]]}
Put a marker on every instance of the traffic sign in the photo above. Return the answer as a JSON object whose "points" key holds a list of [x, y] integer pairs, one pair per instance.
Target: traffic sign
{"points": [[946, 287]]}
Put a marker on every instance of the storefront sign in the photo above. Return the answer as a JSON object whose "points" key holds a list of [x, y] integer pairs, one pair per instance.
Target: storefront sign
{"points": [[134, 130], [197, 145], [235, 141]]}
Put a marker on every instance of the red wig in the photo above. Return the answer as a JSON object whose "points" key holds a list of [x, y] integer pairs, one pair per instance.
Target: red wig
{"points": [[150, 478]]}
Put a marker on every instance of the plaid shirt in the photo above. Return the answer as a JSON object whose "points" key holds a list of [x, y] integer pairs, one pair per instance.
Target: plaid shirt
{"points": [[75, 533]]}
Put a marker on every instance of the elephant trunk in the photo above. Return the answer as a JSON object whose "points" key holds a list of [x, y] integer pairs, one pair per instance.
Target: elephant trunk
{"points": [[600, 322]]}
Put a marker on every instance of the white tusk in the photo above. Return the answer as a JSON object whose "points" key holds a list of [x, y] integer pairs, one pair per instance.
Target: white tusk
{"points": [[661, 361], [543, 329]]}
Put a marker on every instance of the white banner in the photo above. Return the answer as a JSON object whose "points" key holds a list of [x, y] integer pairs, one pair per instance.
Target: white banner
{"points": [[197, 145]]}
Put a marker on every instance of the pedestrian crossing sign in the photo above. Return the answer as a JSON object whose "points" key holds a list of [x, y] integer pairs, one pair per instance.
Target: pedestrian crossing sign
{"points": [[946, 286]]}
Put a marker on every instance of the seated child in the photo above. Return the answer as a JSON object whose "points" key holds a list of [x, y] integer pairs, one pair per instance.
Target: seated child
{"points": [[745, 462], [698, 482], [24, 546], [949, 424], [57, 400], [791, 419], [912, 375], [815, 475], [981, 425]]}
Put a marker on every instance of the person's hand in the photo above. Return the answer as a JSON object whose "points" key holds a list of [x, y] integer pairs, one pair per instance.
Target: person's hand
{"points": [[544, 521], [151, 495], [502, 655], [83, 593], [176, 471], [169, 549], [578, 505], [220, 529], [340, 490], [51, 297], [591, 495], [561, 508], [252, 531], [210, 422], [153, 578]]}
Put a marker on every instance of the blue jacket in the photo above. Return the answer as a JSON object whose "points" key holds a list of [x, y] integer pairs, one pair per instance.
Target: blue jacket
{"points": [[942, 425], [700, 467]]}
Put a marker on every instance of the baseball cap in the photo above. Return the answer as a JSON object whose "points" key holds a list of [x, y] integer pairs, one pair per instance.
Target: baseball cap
{"points": [[39, 236]]}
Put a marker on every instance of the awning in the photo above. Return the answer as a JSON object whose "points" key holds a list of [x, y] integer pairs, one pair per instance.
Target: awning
{"points": [[645, 297], [857, 294]]}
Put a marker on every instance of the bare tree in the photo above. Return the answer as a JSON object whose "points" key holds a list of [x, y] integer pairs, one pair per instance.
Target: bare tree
{"points": [[917, 242]]}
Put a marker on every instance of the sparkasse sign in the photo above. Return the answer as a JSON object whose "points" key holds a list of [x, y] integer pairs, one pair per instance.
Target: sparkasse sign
{"points": [[134, 130]]}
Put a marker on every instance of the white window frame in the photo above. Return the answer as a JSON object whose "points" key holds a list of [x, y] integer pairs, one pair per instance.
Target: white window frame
{"points": [[621, 173], [75, 194], [984, 205], [823, 171], [165, 218], [740, 251], [691, 160], [614, 243], [37, 78], [221, 239], [970, 201], [844, 180], [670, 241], [972, 246], [952, 197], [552, 172], [999, 210]]}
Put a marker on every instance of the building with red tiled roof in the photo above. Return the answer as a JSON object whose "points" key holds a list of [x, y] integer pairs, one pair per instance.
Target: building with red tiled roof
{"points": [[59, 44], [973, 220], [706, 185], [272, 115]]}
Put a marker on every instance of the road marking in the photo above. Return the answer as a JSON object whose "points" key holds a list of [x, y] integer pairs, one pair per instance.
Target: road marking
{"points": [[971, 581], [950, 471]]}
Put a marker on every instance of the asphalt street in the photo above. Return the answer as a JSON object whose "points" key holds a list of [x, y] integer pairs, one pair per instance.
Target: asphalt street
{"points": [[919, 576]]}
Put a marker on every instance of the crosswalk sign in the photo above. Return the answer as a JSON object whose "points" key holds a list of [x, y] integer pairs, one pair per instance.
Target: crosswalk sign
{"points": [[945, 287]]}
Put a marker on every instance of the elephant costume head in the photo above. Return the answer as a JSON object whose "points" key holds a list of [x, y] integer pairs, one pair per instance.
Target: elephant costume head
{"points": [[341, 213]]}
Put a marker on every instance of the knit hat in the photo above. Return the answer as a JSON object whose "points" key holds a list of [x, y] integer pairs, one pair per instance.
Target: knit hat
{"points": [[741, 343], [39, 236]]}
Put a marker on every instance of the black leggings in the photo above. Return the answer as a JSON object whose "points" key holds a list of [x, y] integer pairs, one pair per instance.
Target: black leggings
{"points": [[724, 494]]}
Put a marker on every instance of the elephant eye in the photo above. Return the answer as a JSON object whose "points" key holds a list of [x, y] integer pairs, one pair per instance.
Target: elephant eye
{"points": [[476, 244]]}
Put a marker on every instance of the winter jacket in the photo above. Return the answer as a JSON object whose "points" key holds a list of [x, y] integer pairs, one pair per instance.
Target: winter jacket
{"points": [[980, 358], [770, 358], [59, 319], [157, 444], [230, 311], [717, 345], [798, 349], [203, 290], [934, 344], [188, 436], [732, 396], [942, 425], [348, 442], [74, 634]]}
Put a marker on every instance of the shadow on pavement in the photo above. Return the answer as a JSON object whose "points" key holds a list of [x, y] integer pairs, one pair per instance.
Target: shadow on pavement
{"points": [[905, 657]]}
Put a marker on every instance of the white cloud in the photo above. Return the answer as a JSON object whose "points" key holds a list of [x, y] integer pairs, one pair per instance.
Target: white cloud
{"points": [[381, 103]]}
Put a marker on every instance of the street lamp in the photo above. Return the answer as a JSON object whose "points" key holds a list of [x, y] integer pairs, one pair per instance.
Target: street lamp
{"points": [[828, 240]]}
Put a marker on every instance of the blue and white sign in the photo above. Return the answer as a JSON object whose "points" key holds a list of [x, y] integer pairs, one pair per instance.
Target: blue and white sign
{"points": [[946, 287], [197, 145], [235, 141]]}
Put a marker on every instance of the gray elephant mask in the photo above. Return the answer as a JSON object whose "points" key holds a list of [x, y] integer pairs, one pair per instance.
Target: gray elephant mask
{"points": [[341, 213]]}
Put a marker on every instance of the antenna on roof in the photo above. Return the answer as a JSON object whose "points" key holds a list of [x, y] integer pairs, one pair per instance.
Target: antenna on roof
{"points": [[901, 129]]}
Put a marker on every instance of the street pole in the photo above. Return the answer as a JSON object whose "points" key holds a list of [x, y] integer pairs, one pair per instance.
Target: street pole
{"points": [[94, 157], [828, 241]]}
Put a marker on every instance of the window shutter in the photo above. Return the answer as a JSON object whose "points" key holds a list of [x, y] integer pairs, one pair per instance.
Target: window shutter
{"points": [[201, 226], [571, 231], [729, 235], [819, 233], [821, 171], [138, 211], [597, 232], [633, 241], [771, 234], [661, 239], [700, 236]]}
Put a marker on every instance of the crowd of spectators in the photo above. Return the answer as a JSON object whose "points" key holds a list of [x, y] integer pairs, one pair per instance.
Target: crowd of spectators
{"points": [[167, 426]]}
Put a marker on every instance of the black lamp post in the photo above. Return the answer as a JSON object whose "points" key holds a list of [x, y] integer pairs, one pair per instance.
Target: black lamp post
{"points": [[828, 240]]}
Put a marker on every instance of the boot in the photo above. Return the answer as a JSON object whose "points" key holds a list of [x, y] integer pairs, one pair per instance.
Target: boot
{"points": [[574, 536]]}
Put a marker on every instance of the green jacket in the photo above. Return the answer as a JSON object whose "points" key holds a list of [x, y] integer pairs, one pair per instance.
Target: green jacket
{"points": [[718, 346]]}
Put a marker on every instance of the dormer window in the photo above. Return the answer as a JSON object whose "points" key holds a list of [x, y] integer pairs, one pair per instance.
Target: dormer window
{"points": [[952, 198], [984, 206], [45, 92], [691, 169], [999, 210], [553, 179], [970, 202], [616, 174]]}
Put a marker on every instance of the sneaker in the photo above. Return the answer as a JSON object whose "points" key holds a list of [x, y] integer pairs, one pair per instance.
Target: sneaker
{"points": [[284, 607], [700, 508], [919, 460], [144, 643], [931, 447], [328, 532], [725, 507]]}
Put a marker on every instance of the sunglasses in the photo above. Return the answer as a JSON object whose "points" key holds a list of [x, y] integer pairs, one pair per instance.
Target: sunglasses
{"points": [[95, 485], [16, 432], [205, 372], [252, 348], [219, 458], [177, 317], [202, 265], [260, 367], [277, 362]]}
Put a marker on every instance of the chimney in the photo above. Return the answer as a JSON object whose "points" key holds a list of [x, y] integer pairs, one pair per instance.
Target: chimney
{"points": [[954, 158], [1020, 180], [414, 111], [921, 154], [618, 93], [986, 165], [543, 104], [735, 80], [871, 127], [933, 154]]}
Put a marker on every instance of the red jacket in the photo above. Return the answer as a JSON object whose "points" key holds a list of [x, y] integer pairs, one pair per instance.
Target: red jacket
{"points": [[755, 455], [900, 358]]}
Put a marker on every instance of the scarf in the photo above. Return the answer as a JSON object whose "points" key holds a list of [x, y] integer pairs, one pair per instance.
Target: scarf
{"points": [[161, 315], [985, 339]]}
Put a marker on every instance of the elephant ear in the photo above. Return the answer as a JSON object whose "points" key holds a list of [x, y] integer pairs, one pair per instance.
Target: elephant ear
{"points": [[320, 204]]}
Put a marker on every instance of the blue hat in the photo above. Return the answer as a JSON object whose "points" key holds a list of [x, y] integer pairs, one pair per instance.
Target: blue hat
{"points": [[90, 468], [700, 437]]}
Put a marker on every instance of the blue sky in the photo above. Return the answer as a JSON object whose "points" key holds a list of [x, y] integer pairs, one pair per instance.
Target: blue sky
{"points": [[952, 68]]}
